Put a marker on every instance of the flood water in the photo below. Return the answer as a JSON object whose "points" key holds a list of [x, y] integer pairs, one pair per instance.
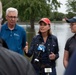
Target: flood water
{"points": [[63, 32]]}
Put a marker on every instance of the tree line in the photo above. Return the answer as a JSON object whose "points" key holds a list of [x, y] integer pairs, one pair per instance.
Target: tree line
{"points": [[33, 10]]}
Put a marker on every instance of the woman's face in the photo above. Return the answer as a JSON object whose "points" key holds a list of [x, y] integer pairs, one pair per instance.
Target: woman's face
{"points": [[43, 28]]}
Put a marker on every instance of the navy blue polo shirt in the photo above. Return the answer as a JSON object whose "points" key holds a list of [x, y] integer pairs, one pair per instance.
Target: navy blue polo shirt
{"points": [[15, 39]]}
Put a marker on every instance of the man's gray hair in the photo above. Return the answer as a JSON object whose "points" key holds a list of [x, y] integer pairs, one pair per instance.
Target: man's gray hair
{"points": [[11, 9]]}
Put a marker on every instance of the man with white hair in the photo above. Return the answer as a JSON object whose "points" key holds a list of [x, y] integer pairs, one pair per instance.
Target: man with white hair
{"points": [[12, 63], [12, 33]]}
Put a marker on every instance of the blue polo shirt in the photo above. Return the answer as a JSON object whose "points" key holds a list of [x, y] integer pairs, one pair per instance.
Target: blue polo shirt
{"points": [[15, 39]]}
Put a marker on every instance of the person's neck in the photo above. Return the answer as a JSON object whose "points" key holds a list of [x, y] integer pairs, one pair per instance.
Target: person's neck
{"points": [[11, 27], [44, 37], [44, 34]]}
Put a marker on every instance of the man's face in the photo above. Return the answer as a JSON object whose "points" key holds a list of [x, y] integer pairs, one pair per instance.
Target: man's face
{"points": [[11, 18], [73, 27]]}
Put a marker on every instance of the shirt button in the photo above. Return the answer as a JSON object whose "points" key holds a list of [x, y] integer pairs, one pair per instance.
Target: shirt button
{"points": [[48, 44], [37, 44], [11, 35]]}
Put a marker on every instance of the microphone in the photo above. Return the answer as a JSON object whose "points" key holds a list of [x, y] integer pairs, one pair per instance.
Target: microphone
{"points": [[41, 48]]}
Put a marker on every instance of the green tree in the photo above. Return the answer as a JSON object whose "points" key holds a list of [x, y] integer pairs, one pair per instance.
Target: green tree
{"points": [[57, 16], [32, 9], [70, 15], [71, 5]]}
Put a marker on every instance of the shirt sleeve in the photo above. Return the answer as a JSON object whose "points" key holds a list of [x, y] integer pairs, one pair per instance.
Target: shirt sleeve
{"points": [[67, 45], [57, 49]]}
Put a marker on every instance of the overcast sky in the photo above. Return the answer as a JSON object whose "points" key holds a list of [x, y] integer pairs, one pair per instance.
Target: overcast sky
{"points": [[63, 7]]}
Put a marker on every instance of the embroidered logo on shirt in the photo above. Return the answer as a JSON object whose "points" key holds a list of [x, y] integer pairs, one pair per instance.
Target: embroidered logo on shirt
{"points": [[16, 34]]}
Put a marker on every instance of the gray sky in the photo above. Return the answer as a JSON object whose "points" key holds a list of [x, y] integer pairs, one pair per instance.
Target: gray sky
{"points": [[63, 7]]}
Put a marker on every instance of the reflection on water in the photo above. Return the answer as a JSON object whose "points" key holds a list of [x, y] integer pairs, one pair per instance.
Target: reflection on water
{"points": [[62, 31]]}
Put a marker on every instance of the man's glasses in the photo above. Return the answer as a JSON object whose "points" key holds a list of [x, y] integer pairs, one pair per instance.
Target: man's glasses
{"points": [[15, 17]]}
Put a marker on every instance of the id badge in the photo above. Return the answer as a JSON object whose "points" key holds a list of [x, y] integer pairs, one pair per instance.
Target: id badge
{"points": [[48, 70]]}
